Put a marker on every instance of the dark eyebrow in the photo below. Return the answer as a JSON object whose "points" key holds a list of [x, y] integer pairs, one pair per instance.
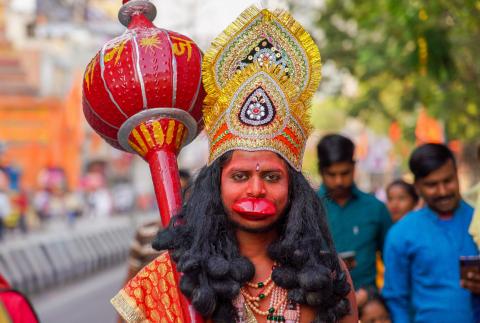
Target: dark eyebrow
{"points": [[276, 170], [239, 170], [446, 179]]}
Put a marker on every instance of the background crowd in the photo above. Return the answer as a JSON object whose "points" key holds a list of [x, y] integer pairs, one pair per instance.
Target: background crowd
{"points": [[405, 256], [98, 196]]}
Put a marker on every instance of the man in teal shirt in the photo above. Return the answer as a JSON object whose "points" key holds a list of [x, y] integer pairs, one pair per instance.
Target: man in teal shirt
{"points": [[358, 221]]}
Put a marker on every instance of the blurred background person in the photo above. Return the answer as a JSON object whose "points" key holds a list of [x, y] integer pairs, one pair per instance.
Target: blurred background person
{"points": [[473, 197], [374, 310], [401, 198], [358, 221], [5, 205], [123, 196], [73, 206], [97, 196], [422, 251], [20, 203]]}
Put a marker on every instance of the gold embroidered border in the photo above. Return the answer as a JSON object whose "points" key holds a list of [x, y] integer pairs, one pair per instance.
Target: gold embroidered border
{"points": [[127, 308]]}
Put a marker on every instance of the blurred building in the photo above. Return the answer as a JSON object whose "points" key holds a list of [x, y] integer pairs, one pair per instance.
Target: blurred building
{"points": [[33, 128], [44, 47]]}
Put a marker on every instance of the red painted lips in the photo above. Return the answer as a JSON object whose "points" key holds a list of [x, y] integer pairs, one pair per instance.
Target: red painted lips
{"points": [[255, 209]]}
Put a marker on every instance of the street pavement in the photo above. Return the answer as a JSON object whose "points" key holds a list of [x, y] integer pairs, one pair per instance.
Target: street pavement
{"points": [[86, 300], [84, 296]]}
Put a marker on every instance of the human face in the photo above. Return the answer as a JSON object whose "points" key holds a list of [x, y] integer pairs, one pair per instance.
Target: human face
{"points": [[440, 189], [255, 175], [399, 202], [338, 178], [374, 312]]}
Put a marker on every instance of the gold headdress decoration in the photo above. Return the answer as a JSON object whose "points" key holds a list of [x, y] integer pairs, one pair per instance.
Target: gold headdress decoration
{"points": [[260, 75]]}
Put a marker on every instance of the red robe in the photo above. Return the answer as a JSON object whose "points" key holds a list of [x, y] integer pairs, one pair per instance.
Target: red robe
{"points": [[151, 296]]}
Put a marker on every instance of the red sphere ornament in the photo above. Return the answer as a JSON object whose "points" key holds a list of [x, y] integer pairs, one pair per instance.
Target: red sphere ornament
{"points": [[142, 93], [147, 73]]}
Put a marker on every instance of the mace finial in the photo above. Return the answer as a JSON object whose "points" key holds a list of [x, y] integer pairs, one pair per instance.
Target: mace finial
{"points": [[136, 7]]}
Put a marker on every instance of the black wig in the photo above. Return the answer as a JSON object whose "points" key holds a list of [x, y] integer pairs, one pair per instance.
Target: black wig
{"points": [[202, 242]]}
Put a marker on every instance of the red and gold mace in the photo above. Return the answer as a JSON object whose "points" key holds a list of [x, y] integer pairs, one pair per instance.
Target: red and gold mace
{"points": [[143, 94]]}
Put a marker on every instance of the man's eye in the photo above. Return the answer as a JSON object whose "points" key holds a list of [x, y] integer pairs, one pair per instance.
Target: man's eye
{"points": [[239, 177], [273, 178]]}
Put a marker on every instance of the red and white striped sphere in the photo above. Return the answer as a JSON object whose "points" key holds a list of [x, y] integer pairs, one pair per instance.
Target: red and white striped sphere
{"points": [[145, 74]]}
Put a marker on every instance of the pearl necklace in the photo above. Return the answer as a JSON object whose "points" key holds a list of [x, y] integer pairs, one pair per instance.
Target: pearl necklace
{"points": [[261, 284], [279, 309]]}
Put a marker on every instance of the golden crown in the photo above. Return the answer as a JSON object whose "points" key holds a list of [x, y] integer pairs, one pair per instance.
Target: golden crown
{"points": [[260, 74]]}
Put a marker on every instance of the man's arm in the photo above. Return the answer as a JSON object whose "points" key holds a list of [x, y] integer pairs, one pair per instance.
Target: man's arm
{"points": [[353, 316], [397, 289]]}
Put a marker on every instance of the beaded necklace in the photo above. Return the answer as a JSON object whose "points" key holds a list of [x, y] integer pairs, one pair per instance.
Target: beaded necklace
{"points": [[279, 309]]}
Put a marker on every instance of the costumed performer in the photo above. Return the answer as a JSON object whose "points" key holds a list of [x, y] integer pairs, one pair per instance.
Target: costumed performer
{"points": [[252, 242]]}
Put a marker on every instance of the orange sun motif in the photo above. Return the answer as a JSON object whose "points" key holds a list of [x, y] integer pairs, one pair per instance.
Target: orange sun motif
{"points": [[150, 42]]}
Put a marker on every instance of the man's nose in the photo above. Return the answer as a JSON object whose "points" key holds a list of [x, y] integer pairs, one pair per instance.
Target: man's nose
{"points": [[442, 189], [338, 180], [256, 187]]}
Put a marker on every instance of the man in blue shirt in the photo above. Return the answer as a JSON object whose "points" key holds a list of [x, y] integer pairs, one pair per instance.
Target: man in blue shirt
{"points": [[422, 251], [357, 220]]}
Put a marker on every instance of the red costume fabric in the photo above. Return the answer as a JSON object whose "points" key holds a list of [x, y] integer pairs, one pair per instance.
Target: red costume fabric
{"points": [[14, 306], [152, 295]]}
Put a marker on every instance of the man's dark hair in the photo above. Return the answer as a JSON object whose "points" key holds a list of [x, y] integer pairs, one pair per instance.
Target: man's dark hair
{"points": [[334, 148], [203, 243], [185, 174], [428, 158]]}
